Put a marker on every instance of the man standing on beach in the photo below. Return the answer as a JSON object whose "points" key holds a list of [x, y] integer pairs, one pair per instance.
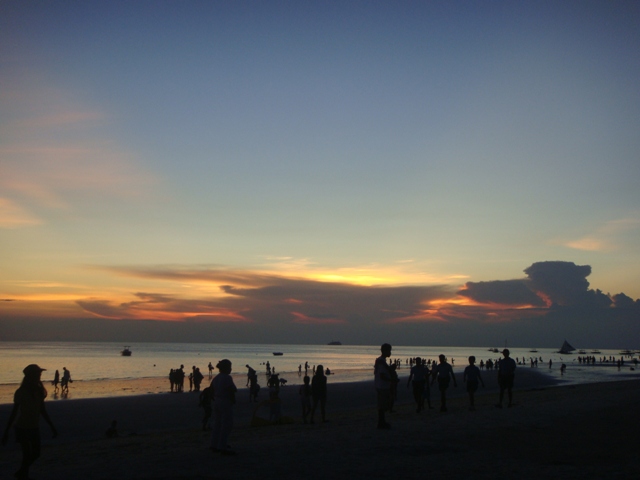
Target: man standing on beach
{"points": [[444, 373], [506, 373], [382, 373]]}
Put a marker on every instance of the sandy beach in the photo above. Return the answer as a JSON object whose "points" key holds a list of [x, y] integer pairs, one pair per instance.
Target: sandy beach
{"points": [[578, 431]]}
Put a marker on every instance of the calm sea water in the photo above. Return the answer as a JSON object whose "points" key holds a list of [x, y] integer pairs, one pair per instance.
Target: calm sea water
{"points": [[95, 361]]}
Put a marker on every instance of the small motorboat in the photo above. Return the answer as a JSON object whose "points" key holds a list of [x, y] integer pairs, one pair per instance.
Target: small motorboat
{"points": [[277, 354], [126, 352]]}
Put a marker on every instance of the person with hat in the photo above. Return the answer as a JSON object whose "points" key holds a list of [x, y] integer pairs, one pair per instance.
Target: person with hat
{"points": [[28, 406], [506, 373], [224, 397]]}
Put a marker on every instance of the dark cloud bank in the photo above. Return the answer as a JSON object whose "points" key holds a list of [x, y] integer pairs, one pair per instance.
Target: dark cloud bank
{"points": [[551, 303]]}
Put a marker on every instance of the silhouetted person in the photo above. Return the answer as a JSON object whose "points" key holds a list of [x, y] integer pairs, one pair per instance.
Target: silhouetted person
{"points": [[506, 373], [210, 370], [472, 377], [28, 407], [319, 392], [305, 398], [418, 375], [224, 397], [56, 381], [382, 381], [66, 380], [443, 373], [197, 379]]}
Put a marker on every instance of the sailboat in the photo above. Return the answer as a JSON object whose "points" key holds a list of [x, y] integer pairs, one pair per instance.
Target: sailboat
{"points": [[566, 348]]}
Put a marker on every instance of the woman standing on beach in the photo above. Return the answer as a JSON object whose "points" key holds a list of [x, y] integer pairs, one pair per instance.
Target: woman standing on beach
{"points": [[224, 397], [319, 392], [28, 406]]}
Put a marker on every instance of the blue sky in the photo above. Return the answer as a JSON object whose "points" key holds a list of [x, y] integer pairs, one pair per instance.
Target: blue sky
{"points": [[422, 144]]}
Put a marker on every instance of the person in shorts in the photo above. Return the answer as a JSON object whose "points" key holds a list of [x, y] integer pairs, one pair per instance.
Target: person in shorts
{"points": [[506, 374], [444, 374], [472, 378]]}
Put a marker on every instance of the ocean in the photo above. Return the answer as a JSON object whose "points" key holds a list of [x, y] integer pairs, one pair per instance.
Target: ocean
{"points": [[88, 361]]}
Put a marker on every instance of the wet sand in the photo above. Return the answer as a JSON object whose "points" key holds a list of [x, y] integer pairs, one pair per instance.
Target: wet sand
{"points": [[581, 431]]}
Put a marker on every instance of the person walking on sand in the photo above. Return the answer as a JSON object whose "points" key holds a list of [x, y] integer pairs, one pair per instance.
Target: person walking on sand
{"points": [[56, 381], [472, 377], [319, 392], [224, 397], [444, 374], [66, 380], [28, 407], [418, 374], [506, 373], [382, 382]]}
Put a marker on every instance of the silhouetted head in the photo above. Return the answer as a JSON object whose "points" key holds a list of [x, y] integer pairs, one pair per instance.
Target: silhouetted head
{"points": [[224, 366], [386, 350], [505, 352], [442, 358], [472, 360], [319, 370], [418, 360], [306, 379], [33, 370]]}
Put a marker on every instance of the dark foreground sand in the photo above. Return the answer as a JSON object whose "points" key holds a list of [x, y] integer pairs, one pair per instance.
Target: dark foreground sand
{"points": [[584, 431]]}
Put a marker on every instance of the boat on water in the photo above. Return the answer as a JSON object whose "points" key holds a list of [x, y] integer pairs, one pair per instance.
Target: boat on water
{"points": [[494, 350], [533, 350], [582, 352], [334, 342], [277, 354], [596, 351], [126, 352], [566, 348]]}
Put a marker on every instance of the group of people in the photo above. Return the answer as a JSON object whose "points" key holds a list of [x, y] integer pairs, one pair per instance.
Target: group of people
{"points": [[61, 384], [422, 377]]}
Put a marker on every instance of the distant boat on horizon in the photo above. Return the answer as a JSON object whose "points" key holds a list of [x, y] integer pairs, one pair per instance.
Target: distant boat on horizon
{"points": [[334, 342], [277, 354], [126, 352]]}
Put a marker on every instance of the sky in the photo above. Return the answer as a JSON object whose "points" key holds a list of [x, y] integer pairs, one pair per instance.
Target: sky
{"points": [[421, 173]]}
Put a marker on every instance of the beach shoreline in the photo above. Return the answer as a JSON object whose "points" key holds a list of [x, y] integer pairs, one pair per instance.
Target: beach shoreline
{"points": [[554, 431]]}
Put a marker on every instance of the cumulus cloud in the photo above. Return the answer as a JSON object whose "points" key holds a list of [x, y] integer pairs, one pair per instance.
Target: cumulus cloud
{"points": [[505, 292]]}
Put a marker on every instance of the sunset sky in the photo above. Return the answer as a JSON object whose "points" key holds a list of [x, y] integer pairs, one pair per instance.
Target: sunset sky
{"points": [[301, 172]]}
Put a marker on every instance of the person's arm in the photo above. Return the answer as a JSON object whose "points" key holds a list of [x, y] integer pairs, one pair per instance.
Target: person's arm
{"points": [[480, 378], [410, 377], [455, 384], [12, 417]]}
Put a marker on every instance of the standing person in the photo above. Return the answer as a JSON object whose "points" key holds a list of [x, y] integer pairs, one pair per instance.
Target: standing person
{"points": [[197, 379], [382, 381], [319, 392], [28, 406], [472, 377], [56, 381], [418, 374], [506, 373], [444, 374], [224, 397], [305, 398], [66, 380]]}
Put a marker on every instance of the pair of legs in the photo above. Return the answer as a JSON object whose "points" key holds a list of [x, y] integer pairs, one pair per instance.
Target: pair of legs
{"points": [[418, 395], [29, 440], [443, 384], [222, 425], [384, 404], [506, 383], [471, 390], [322, 400]]}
